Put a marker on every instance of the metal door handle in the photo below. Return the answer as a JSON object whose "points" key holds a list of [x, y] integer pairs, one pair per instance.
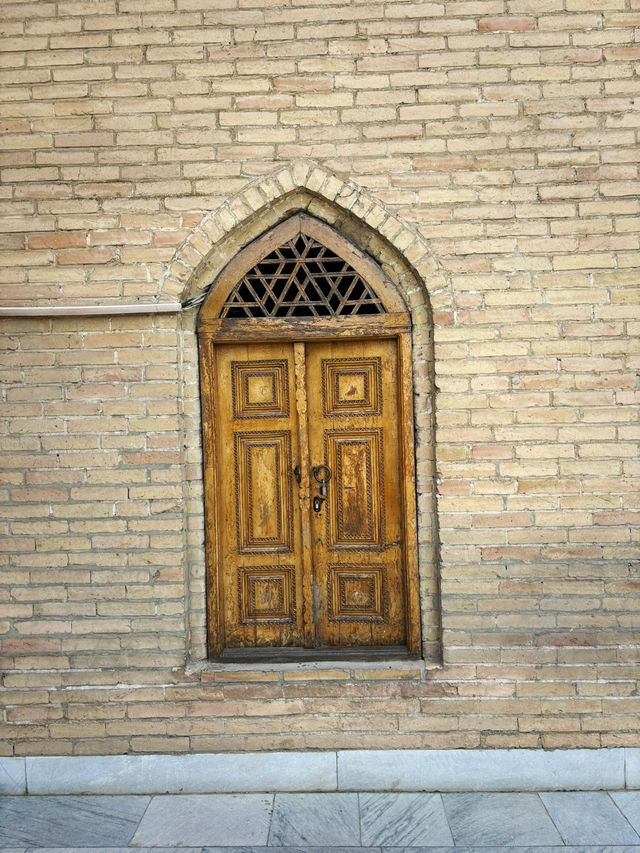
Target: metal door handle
{"points": [[322, 475]]}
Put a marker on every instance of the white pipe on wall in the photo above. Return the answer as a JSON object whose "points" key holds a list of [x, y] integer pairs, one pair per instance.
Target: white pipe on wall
{"points": [[89, 310]]}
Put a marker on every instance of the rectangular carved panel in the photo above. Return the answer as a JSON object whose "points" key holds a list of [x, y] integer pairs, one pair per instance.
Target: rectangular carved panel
{"points": [[351, 386], [263, 491], [260, 389], [355, 517], [357, 593], [266, 594]]}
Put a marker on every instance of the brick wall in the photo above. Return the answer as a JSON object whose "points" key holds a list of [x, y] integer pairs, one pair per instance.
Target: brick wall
{"points": [[495, 145]]}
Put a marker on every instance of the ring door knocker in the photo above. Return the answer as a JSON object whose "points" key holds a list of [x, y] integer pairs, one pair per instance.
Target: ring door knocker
{"points": [[322, 475]]}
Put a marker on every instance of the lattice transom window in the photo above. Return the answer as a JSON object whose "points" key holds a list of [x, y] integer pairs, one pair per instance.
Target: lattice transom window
{"points": [[302, 278]]}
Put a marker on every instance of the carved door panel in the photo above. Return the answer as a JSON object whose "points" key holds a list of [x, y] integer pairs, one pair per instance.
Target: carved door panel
{"points": [[291, 574], [358, 575], [258, 519]]}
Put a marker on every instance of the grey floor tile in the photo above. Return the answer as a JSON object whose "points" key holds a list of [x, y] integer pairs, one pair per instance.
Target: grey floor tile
{"points": [[588, 817], [480, 820], [70, 821], [315, 849], [629, 804], [410, 819], [13, 777], [607, 848], [315, 820], [195, 820], [113, 850], [526, 849]]}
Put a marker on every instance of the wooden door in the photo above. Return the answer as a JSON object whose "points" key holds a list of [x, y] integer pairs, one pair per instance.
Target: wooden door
{"points": [[289, 416], [357, 532], [259, 519]]}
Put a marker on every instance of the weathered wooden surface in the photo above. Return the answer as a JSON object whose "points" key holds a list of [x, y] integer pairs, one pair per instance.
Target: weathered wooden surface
{"points": [[283, 573]]}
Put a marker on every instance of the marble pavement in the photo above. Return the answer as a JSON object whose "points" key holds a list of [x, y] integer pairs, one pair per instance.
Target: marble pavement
{"points": [[337, 822]]}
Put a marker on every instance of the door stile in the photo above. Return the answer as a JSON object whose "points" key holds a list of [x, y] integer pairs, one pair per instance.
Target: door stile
{"points": [[213, 578], [300, 375], [408, 480]]}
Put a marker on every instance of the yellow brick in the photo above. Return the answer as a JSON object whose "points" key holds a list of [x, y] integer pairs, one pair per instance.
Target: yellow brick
{"points": [[501, 143]]}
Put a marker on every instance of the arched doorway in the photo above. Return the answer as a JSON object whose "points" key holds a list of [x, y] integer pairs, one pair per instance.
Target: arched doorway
{"points": [[308, 447]]}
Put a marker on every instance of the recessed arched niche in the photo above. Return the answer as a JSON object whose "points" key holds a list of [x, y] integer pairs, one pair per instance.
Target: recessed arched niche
{"points": [[309, 460]]}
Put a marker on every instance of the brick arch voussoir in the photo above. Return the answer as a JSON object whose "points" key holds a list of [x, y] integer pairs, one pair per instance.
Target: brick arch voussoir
{"points": [[303, 185]]}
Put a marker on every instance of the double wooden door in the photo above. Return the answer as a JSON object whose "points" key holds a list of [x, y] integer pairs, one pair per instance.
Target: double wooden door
{"points": [[309, 543]]}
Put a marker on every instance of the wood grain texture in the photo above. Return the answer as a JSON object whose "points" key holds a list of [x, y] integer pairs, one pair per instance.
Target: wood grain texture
{"points": [[213, 506], [299, 328], [293, 563], [298, 224], [408, 496], [357, 534], [260, 555], [304, 495]]}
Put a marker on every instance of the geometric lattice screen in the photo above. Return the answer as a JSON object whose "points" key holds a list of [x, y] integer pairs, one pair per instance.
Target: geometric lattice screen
{"points": [[301, 279]]}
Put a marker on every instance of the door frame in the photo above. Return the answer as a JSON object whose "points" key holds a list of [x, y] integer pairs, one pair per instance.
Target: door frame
{"points": [[212, 331]]}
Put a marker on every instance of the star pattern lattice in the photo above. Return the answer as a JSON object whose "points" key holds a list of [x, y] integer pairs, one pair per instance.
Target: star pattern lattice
{"points": [[302, 278]]}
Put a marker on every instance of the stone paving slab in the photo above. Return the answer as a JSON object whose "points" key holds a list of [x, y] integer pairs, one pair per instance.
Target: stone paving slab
{"points": [[481, 770], [179, 774], [304, 849], [528, 849], [13, 778], [585, 817], [438, 770], [311, 820], [193, 820], [632, 767], [405, 818], [77, 821], [629, 804], [357, 822], [499, 819]]}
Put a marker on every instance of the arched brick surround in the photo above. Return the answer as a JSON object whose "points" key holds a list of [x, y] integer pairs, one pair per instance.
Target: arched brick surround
{"points": [[405, 259], [267, 201]]}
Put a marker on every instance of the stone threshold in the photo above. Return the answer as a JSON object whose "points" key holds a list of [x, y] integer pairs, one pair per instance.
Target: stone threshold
{"points": [[444, 770]]}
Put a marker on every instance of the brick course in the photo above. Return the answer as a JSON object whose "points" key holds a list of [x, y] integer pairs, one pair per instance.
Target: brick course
{"points": [[493, 144]]}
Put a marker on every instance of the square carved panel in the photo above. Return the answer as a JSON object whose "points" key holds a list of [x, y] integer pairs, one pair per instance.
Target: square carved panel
{"points": [[260, 389], [357, 593], [351, 386], [266, 594]]}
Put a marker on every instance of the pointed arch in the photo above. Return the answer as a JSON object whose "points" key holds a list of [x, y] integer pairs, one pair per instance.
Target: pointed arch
{"points": [[267, 201], [300, 245], [348, 583], [199, 269]]}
